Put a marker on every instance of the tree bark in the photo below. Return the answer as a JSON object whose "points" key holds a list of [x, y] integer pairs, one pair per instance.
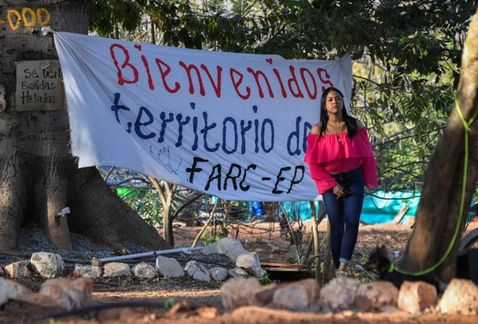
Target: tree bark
{"points": [[98, 212], [439, 209], [165, 191], [39, 177]]}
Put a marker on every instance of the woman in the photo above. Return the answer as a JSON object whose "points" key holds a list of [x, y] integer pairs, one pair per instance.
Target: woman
{"points": [[341, 162]]}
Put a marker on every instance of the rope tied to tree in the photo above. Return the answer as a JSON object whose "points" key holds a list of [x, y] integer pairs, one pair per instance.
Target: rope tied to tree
{"points": [[467, 127]]}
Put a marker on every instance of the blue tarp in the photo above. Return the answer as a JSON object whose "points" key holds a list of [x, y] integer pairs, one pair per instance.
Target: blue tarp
{"points": [[381, 208], [377, 209]]}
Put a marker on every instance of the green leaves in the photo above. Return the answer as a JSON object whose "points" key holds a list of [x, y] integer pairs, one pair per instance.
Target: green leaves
{"points": [[146, 203], [405, 113], [108, 15]]}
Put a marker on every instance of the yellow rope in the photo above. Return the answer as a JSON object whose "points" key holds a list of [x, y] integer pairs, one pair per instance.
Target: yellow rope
{"points": [[466, 125]]}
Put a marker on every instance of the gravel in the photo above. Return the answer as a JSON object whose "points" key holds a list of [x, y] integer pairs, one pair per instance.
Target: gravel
{"points": [[34, 239]]}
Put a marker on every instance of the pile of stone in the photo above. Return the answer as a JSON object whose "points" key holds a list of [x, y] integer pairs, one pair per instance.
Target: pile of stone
{"points": [[59, 293], [243, 289], [347, 294], [51, 265]]}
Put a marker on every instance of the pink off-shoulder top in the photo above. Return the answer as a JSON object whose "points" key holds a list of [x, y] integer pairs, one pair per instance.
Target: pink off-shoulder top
{"points": [[337, 153]]}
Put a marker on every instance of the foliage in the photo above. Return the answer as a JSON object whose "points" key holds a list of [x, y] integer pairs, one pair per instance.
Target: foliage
{"points": [[212, 235], [108, 15], [146, 203], [404, 125], [264, 280], [169, 302]]}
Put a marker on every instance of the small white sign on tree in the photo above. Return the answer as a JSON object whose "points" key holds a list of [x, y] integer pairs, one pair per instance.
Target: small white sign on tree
{"points": [[39, 86]]}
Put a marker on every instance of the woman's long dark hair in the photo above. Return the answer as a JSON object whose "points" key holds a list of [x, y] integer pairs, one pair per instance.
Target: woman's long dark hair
{"points": [[350, 122]]}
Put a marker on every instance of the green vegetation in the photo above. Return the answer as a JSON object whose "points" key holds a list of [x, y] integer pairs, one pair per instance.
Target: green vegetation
{"points": [[169, 302], [145, 202], [212, 235], [265, 280]]}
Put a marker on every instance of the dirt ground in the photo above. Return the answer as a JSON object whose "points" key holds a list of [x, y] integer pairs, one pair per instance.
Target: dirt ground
{"points": [[195, 302]]}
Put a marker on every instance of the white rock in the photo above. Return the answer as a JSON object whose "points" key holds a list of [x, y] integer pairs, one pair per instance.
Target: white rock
{"points": [[218, 273], [230, 247], [250, 262], [144, 270], [9, 289], [210, 249], [66, 293], [373, 296], [48, 265], [169, 267], [238, 272], [461, 297], [87, 271], [18, 269], [197, 271], [116, 269], [237, 292], [416, 296], [339, 294], [298, 295]]}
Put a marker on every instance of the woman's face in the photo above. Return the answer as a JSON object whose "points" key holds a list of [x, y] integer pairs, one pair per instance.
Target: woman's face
{"points": [[334, 103]]}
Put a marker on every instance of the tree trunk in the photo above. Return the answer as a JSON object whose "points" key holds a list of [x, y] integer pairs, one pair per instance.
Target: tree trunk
{"points": [[165, 191], [439, 209], [39, 177]]}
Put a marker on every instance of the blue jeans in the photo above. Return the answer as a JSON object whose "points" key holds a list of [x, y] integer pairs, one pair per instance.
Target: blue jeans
{"points": [[344, 215]]}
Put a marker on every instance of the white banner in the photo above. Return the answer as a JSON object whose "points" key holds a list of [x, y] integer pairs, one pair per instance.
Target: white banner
{"points": [[232, 125]]}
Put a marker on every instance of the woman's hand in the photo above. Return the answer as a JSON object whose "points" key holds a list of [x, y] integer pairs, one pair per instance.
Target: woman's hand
{"points": [[339, 191]]}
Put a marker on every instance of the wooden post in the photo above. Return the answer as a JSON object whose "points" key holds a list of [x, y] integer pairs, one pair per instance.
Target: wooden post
{"points": [[328, 256], [310, 243], [315, 234], [291, 231], [205, 225], [401, 213]]}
